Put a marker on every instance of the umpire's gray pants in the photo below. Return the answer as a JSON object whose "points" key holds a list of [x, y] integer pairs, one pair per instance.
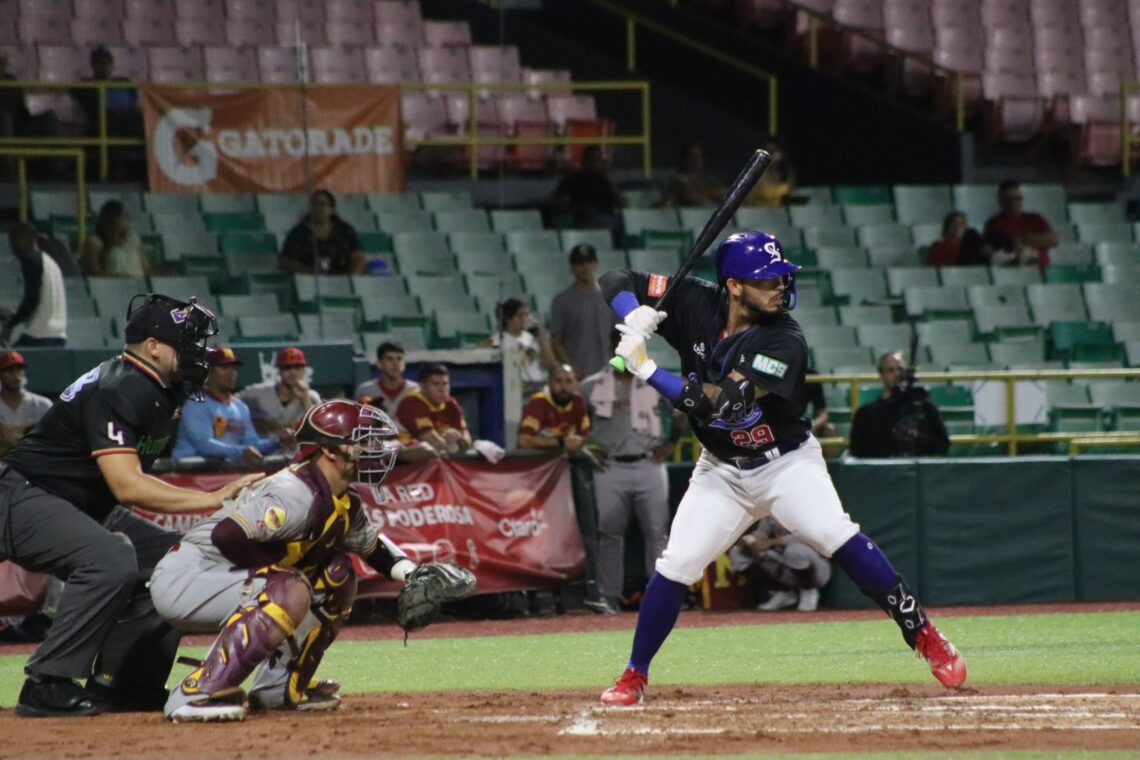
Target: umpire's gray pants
{"points": [[44, 533], [638, 488]]}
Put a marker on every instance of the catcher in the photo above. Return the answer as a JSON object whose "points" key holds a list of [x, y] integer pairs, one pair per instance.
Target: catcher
{"points": [[271, 570]]}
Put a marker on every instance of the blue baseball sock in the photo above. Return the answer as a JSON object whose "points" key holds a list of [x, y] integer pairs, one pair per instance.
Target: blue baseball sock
{"points": [[660, 607], [866, 565]]}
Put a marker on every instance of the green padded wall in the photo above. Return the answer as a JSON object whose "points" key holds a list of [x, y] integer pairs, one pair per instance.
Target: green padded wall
{"points": [[1107, 527]]}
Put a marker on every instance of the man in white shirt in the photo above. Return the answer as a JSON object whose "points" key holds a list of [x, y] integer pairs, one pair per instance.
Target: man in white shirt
{"points": [[278, 405], [19, 409], [43, 308]]}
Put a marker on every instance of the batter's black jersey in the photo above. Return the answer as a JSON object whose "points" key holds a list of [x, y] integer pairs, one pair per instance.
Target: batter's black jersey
{"points": [[123, 405], [772, 354]]}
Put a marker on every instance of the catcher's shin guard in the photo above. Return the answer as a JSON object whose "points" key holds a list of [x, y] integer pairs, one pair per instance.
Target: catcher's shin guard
{"points": [[249, 637], [286, 681], [900, 603]]}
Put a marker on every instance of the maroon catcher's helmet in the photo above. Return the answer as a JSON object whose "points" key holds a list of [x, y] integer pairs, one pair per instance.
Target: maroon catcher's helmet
{"points": [[370, 434]]}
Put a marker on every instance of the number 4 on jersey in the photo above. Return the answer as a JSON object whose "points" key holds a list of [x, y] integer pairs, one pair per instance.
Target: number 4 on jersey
{"points": [[756, 438], [115, 435]]}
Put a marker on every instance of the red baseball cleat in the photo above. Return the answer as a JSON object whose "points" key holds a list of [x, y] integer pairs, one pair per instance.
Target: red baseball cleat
{"points": [[946, 662], [628, 690]]}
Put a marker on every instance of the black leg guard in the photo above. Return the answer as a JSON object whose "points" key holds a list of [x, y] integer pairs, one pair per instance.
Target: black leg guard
{"points": [[900, 603]]}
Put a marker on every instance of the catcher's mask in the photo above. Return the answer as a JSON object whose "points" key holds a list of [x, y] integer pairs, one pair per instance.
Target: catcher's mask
{"points": [[369, 434], [184, 325]]}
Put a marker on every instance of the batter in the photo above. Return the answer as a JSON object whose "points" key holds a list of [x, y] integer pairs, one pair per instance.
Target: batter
{"points": [[745, 360]]}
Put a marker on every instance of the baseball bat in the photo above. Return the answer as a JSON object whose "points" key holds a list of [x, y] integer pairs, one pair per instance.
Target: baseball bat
{"points": [[720, 218]]}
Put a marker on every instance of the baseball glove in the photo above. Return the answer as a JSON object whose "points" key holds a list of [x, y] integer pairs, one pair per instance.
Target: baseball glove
{"points": [[426, 589]]}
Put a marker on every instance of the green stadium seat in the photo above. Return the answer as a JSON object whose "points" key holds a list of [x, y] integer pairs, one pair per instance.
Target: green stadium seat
{"points": [[485, 262], [411, 338], [176, 247], [900, 279], [1107, 232], [638, 219], [978, 201], [818, 316], [610, 259], [313, 292], [980, 296], [490, 289], [950, 354], [830, 236], [859, 215], [1015, 275], [1070, 408], [932, 303], [540, 244], [281, 327], [247, 242], [48, 203], [884, 338], [397, 309], [598, 238], [889, 235], [963, 277], [1112, 302], [830, 335], [462, 220], [816, 215], [370, 287], [460, 328], [857, 286], [831, 358], [866, 194], [663, 261], [761, 218], [226, 221], [445, 200], [178, 224], [182, 287], [394, 222], [91, 332], [1126, 331], [1017, 353], [918, 204], [236, 265], [227, 203], [1114, 273], [806, 297], [233, 306], [393, 202], [1096, 213], [1047, 199], [672, 240], [925, 234], [360, 219], [423, 252], [542, 287], [293, 205], [375, 242], [956, 331], [1005, 322], [865, 315], [840, 257], [328, 324], [1117, 254], [1084, 341], [1056, 273], [507, 220], [1132, 352], [176, 204], [483, 241], [1072, 254], [902, 257]]}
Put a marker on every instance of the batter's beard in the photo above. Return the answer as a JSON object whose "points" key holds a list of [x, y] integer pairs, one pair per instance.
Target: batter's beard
{"points": [[757, 313]]}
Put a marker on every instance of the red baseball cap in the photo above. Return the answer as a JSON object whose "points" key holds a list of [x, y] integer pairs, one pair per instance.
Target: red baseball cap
{"points": [[9, 359], [291, 357], [223, 356]]}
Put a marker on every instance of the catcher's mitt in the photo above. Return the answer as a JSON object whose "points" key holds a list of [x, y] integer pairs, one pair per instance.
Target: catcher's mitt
{"points": [[427, 588]]}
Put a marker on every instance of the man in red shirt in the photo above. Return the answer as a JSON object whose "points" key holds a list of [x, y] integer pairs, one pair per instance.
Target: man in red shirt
{"points": [[432, 415], [1022, 236], [556, 418]]}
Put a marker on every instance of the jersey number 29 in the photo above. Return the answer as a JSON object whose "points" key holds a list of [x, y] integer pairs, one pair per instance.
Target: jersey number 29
{"points": [[756, 438]]}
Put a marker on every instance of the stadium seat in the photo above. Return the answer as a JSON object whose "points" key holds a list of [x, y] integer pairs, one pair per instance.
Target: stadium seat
{"points": [[945, 331], [884, 258], [1017, 353], [460, 220], [960, 277], [860, 215], [815, 316], [830, 236], [281, 327], [900, 279], [762, 218], [830, 358], [545, 82], [507, 220], [1111, 232], [830, 336], [394, 222], [1015, 275], [535, 244], [598, 238], [1117, 254], [1007, 321], [858, 286], [933, 303], [865, 315], [422, 252], [661, 261], [883, 338], [958, 354], [977, 201], [445, 200], [917, 204], [233, 306], [867, 194], [231, 64], [279, 65], [816, 215], [337, 65]]}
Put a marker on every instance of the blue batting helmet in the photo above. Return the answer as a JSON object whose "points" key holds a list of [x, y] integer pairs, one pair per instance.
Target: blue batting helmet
{"points": [[756, 255]]}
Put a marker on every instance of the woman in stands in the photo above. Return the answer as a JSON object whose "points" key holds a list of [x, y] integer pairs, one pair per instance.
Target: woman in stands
{"points": [[520, 335], [322, 242], [115, 250], [960, 245]]}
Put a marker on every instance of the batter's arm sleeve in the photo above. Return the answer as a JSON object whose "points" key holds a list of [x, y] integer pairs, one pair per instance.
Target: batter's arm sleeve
{"points": [[197, 429]]}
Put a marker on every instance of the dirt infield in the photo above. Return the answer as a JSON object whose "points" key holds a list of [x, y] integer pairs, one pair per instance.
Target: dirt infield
{"points": [[673, 721]]}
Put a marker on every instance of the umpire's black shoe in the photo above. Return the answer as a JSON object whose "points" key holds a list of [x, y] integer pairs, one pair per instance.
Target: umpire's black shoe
{"points": [[109, 700], [50, 697]]}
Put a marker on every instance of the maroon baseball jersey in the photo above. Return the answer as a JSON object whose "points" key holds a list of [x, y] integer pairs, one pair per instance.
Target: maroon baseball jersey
{"points": [[418, 415], [542, 415]]}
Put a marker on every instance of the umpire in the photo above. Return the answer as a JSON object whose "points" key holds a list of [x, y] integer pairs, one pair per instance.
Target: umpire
{"points": [[62, 488]]}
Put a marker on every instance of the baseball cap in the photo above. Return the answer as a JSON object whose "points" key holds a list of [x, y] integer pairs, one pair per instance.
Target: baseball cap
{"points": [[223, 356], [583, 252], [291, 357], [166, 319], [9, 359]]}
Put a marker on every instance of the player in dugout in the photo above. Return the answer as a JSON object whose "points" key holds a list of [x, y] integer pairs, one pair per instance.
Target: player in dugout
{"points": [[745, 360]]}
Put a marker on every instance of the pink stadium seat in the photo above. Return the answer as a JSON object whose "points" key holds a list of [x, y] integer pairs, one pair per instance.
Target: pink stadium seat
{"points": [[349, 12], [1105, 82], [563, 108], [1017, 111], [201, 9], [231, 64], [337, 65], [130, 62], [545, 76], [286, 33], [95, 9], [278, 65], [93, 31], [1087, 108], [906, 14], [444, 64], [149, 9], [1057, 52], [514, 108], [424, 116], [398, 34], [820, 6], [968, 61], [44, 30], [1054, 14], [956, 14], [1099, 141], [491, 63], [1009, 59], [175, 64], [197, 31], [148, 31], [444, 33], [1004, 13], [524, 117], [401, 13], [61, 63], [264, 11], [860, 14], [391, 64], [309, 14], [247, 31], [57, 9], [458, 108], [22, 61], [1102, 15], [349, 33]]}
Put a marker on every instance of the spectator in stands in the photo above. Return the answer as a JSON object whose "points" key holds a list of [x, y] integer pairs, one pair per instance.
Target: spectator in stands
{"points": [[20, 409], [580, 318], [1017, 236], [124, 119], [778, 564], [776, 186], [523, 341], [325, 237], [388, 391], [588, 198], [115, 250], [43, 308], [960, 245], [277, 405], [15, 119], [431, 415], [220, 426], [692, 185], [900, 423], [555, 419], [628, 441]]}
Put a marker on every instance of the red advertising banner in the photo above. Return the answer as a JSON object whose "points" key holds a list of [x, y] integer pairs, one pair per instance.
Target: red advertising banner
{"points": [[511, 523], [259, 140]]}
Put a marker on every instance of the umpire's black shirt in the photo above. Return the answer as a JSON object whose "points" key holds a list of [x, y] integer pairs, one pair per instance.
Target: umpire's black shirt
{"points": [[123, 405]]}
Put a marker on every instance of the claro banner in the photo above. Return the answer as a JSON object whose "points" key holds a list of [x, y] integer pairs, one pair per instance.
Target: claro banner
{"points": [[255, 140], [511, 523]]}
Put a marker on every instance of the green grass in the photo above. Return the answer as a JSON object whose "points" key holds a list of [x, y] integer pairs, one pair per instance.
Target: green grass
{"points": [[1093, 648]]}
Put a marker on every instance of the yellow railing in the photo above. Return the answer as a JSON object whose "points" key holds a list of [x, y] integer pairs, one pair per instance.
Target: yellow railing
{"points": [[634, 20], [1012, 437], [21, 156], [1127, 137], [472, 140]]}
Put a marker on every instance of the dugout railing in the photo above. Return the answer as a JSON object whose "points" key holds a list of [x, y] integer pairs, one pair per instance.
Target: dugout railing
{"points": [[474, 137]]}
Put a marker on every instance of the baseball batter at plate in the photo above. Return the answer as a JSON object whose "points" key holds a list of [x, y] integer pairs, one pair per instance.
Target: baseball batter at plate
{"points": [[745, 360], [271, 570]]}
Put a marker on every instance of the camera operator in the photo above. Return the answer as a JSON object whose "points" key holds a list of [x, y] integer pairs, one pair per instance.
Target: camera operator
{"points": [[903, 422]]}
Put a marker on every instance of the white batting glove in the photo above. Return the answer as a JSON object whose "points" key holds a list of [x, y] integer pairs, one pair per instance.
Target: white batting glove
{"points": [[631, 349], [644, 319]]}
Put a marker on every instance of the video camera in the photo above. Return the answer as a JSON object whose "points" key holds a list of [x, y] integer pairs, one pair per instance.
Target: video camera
{"points": [[911, 399]]}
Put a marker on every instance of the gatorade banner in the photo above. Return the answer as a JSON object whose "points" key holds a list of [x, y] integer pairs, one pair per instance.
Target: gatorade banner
{"points": [[511, 523], [260, 140]]}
